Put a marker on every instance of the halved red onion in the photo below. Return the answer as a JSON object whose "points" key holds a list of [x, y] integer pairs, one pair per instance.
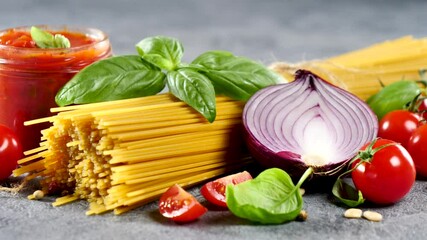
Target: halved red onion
{"points": [[306, 123]]}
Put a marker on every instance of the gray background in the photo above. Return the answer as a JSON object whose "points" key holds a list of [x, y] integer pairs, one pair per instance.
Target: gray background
{"points": [[263, 30]]}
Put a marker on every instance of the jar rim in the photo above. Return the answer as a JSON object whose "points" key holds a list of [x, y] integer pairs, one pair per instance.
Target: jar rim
{"points": [[94, 33]]}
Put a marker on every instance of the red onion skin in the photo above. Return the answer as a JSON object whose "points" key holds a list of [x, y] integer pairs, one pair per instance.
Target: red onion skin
{"points": [[289, 161]]}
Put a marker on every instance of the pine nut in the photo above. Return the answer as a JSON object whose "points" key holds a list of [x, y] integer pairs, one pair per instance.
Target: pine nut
{"points": [[38, 194], [353, 213], [373, 216]]}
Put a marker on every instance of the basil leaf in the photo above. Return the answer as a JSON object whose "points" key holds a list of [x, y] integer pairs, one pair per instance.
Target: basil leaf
{"points": [[347, 194], [270, 198], [164, 52], [44, 39], [393, 97], [194, 89], [236, 77], [112, 79]]}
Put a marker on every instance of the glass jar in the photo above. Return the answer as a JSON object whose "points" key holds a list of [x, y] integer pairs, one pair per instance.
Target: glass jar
{"points": [[31, 77]]}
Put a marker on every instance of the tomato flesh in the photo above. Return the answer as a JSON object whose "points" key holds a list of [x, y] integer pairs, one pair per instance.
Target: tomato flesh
{"points": [[398, 126], [417, 147], [214, 191], [10, 152], [179, 205], [388, 177]]}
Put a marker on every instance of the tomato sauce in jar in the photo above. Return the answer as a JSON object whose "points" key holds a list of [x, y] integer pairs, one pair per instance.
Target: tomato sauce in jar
{"points": [[30, 76]]}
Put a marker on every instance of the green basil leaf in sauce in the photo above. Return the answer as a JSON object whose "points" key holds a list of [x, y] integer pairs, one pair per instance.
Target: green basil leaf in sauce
{"points": [[44, 39]]}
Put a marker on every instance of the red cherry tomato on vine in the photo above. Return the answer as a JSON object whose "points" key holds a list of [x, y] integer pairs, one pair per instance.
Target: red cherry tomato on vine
{"points": [[214, 191], [422, 109], [417, 147], [10, 152], [389, 174], [398, 126], [179, 205]]}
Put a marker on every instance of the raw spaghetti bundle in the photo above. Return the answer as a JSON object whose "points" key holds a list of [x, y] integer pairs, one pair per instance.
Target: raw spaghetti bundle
{"points": [[362, 71], [122, 154]]}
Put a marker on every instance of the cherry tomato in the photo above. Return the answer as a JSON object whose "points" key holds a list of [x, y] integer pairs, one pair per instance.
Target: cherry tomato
{"points": [[10, 151], [389, 174], [398, 126], [422, 109], [417, 147], [179, 205], [214, 191]]}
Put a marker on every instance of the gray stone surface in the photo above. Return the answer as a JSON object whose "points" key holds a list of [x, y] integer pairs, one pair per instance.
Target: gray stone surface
{"points": [[263, 30]]}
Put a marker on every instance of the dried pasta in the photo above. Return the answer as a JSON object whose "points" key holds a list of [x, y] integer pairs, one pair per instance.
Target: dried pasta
{"points": [[122, 154], [362, 71]]}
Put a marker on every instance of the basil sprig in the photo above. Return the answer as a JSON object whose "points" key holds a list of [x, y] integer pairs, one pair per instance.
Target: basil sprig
{"points": [[270, 198], [44, 39], [159, 64]]}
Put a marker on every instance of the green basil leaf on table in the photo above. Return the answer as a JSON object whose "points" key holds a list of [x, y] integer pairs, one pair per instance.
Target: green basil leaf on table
{"points": [[347, 194], [270, 198], [194, 89], [236, 77], [164, 52], [393, 97], [114, 78], [44, 39]]}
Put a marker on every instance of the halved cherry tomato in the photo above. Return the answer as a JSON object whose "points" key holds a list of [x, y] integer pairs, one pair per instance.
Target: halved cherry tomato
{"points": [[179, 205], [214, 191], [386, 175], [398, 126], [10, 151], [417, 147]]}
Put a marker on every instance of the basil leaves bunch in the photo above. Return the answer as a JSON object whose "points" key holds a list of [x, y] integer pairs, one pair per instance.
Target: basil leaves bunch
{"points": [[158, 64]]}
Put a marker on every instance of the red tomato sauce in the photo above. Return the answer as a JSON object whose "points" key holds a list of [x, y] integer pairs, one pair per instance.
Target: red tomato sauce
{"points": [[30, 76], [17, 38]]}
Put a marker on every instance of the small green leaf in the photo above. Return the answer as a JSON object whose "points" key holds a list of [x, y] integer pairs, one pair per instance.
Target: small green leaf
{"points": [[393, 97], [112, 79], [270, 198], [44, 39], [194, 89], [347, 194], [236, 77], [164, 52]]}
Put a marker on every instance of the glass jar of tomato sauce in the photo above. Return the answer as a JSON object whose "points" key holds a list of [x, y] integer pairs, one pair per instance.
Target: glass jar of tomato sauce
{"points": [[30, 76]]}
